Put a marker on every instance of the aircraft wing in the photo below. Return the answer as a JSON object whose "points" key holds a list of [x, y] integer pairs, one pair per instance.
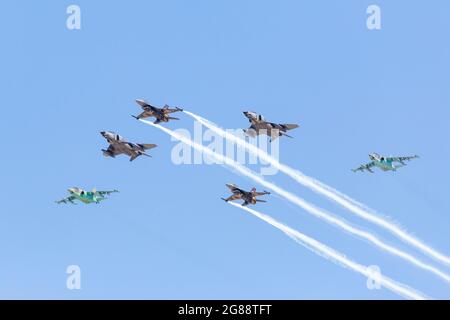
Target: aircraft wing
{"points": [[234, 189], [147, 146], [363, 167], [289, 126], [274, 137], [66, 200], [147, 106], [102, 193], [261, 193], [252, 132], [170, 110], [283, 127], [401, 159], [144, 114], [112, 151]]}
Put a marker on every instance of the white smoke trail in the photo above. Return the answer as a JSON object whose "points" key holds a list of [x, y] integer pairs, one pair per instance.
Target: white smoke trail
{"points": [[302, 203], [332, 194], [325, 251]]}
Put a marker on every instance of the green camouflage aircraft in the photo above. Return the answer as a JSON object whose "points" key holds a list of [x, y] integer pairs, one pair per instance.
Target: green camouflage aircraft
{"points": [[384, 163], [85, 196]]}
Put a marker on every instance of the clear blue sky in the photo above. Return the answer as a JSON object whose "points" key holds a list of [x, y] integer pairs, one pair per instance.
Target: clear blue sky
{"points": [[168, 234]]}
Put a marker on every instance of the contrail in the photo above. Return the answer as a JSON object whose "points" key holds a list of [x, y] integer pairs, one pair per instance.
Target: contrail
{"points": [[332, 194], [330, 254], [302, 203]]}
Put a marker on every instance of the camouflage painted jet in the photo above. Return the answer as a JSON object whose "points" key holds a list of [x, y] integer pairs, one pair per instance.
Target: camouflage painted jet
{"points": [[161, 114], [261, 126], [117, 145], [384, 163], [93, 196], [249, 197]]}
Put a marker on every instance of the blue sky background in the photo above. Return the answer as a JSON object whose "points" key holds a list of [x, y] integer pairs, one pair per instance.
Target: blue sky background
{"points": [[168, 234]]}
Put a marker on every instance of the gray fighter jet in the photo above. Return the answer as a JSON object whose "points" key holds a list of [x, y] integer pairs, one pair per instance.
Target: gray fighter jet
{"points": [[261, 126], [249, 197], [161, 114], [117, 145]]}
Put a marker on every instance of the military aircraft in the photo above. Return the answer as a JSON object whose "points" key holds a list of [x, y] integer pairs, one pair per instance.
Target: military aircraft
{"points": [[85, 196], [261, 126], [117, 145], [384, 163], [161, 114], [249, 197]]}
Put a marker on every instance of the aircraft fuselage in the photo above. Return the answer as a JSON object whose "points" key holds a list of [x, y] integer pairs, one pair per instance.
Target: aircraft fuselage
{"points": [[87, 197], [385, 165]]}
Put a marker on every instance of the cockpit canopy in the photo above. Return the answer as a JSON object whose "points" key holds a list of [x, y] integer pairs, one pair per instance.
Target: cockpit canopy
{"points": [[375, 156], [256, 116]]}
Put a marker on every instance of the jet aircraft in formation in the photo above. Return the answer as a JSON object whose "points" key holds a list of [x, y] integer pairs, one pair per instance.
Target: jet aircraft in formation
{"points": [[384, 163], [161, 114], [93, 196], [260, 126], [249, 197], [118, 145]]}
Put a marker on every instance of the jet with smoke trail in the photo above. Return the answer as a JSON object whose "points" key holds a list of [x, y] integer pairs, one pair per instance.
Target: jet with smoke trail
{"points": [[249, 197], [333, 220], [337, 257], [161, 114], [327, 191]]}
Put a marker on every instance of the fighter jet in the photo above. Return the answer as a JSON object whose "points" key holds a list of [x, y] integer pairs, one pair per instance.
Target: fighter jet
{"points": [[384, 163], [161, 114], [117, 145], [85, 196], [249, 197], [261, 126]]}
